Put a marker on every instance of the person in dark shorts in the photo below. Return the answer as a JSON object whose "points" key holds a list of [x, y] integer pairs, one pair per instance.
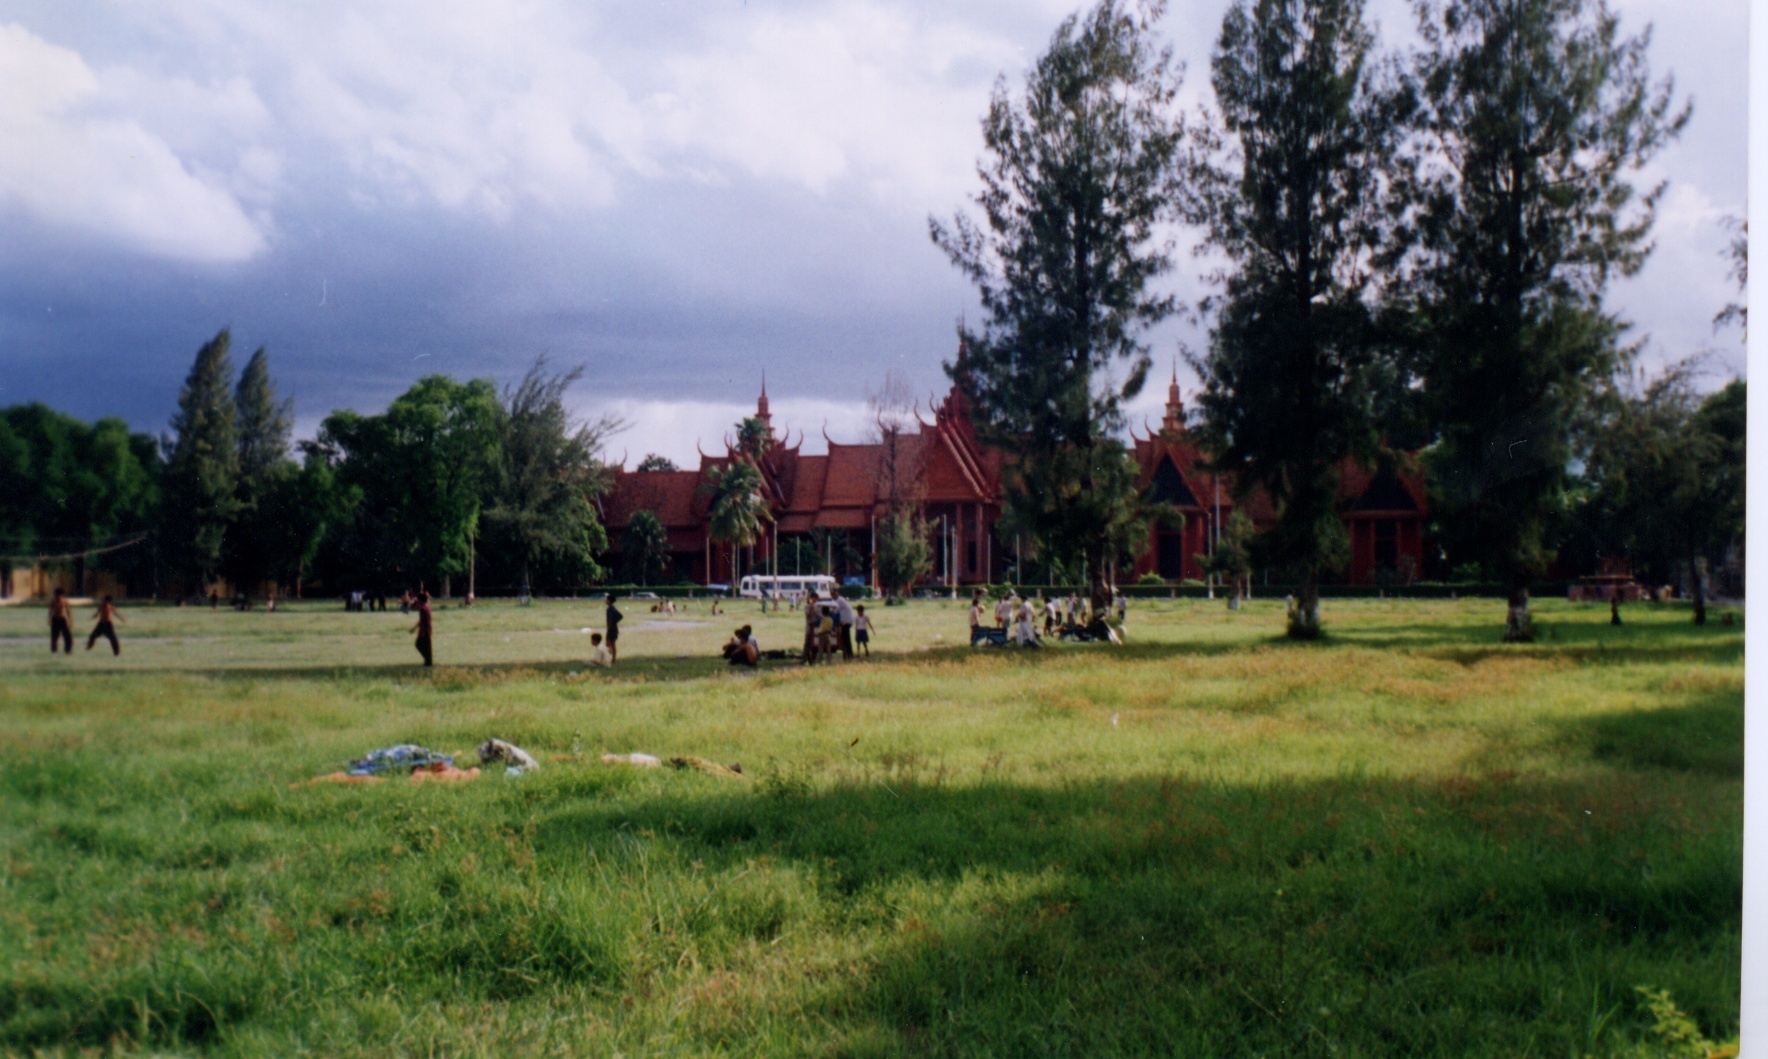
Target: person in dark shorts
{"points": [[862, 629], [61, 618], [424, 628], [107, 613], [613, 616]]}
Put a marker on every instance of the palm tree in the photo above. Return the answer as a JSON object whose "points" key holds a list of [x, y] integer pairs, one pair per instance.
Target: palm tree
{"points": [[738, 507]]}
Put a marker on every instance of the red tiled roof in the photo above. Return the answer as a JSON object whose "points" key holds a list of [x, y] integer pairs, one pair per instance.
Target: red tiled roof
{"points": [[671, 495]]}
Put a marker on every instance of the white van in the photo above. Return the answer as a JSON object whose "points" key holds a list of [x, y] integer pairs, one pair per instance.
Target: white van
{"points": [[787, 586]]}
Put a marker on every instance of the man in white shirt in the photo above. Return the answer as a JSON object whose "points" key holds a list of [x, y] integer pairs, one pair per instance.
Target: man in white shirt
{"points": [[844, 618]]}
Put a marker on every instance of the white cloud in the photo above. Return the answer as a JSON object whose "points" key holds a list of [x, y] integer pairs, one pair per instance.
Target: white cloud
{"points": [[68, 165]]}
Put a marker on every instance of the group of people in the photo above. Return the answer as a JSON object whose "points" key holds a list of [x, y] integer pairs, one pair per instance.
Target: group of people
{"points": [[61, 623], [835, 626], [1071, 617]]}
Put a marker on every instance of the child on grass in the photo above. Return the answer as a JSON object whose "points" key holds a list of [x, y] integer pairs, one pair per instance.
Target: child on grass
{"points": [[862, 630]]}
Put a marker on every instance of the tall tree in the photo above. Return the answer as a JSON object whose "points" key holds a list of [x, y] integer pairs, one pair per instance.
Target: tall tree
{"points": [[1291, 189], [422, 470], [753, 436], [645, 548], [543, 501], [1079, 180], [738, 507], [903, 552], [262, 421], [1536, 116], [259, 537], [202, 464]]}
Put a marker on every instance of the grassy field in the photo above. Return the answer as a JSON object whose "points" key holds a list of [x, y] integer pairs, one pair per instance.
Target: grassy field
{"points": [[1406, 840]]}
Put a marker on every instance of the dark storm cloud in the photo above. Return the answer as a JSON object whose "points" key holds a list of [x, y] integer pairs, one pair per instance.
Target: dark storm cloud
{"points": [[677, 197]]}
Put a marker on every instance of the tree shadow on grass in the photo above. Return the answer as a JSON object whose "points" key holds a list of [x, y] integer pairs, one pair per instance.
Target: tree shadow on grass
{"points": [[1149, 916], [1703, 737]]}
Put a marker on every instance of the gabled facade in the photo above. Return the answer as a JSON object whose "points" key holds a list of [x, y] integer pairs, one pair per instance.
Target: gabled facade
{"points": [[956, 482]]}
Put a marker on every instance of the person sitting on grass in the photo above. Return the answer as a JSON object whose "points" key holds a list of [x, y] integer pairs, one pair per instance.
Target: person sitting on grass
{"points": [[600, 657], [743, 650]]}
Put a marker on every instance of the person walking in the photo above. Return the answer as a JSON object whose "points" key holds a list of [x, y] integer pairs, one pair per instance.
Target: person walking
{"points": [[106, 614], [424, 628], [61, 621], [613, 618]]}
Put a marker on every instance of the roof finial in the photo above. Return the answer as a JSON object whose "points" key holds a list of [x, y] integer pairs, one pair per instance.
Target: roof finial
{"points": [[761, 404]]}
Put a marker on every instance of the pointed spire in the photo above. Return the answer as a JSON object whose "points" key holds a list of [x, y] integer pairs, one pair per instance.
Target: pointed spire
{"points": [[761, 411], [1174, 420]]}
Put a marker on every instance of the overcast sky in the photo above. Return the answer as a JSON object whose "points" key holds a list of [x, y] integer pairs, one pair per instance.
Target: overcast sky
{"points": [[676, 196]]}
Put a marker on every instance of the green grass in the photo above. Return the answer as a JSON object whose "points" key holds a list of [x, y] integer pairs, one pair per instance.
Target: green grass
{"points": [[1405, 840]]}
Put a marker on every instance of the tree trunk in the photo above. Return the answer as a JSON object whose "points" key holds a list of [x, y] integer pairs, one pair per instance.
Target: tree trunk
{"points": [[1304, 620], [1518, 628], [1697, 587]]}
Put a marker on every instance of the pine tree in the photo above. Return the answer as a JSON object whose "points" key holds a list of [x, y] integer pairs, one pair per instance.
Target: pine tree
{"points": [[1535, 118], [1079, 180], [263, 423], [258, 539], [202, 464], [1291, 191]]}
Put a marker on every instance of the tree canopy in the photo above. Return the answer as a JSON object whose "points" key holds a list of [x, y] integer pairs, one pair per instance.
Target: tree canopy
{"points": [[1535, 118], [1291, 188], [1079, 181]]}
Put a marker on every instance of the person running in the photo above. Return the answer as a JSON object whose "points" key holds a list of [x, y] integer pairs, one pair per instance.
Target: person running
{"points": [[61, 621], [106, 613], [862, 629], [424, 628], [613, 616]]}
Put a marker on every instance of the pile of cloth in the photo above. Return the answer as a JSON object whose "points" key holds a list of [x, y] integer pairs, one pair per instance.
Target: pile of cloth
{"points": [[403, 758]]}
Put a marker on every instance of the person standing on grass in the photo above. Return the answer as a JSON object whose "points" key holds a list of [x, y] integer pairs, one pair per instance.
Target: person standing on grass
{"points": [[61, 621], [424, 628], [613, 617], [106, 613], [811, 617], [862, 630], [844, 617]]}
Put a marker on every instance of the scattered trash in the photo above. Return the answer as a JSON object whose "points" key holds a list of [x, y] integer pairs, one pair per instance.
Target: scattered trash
{"points": [[732, 771], [403, 756], [514, 772], [1114, 720], [508, 753], [642, 760]]}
